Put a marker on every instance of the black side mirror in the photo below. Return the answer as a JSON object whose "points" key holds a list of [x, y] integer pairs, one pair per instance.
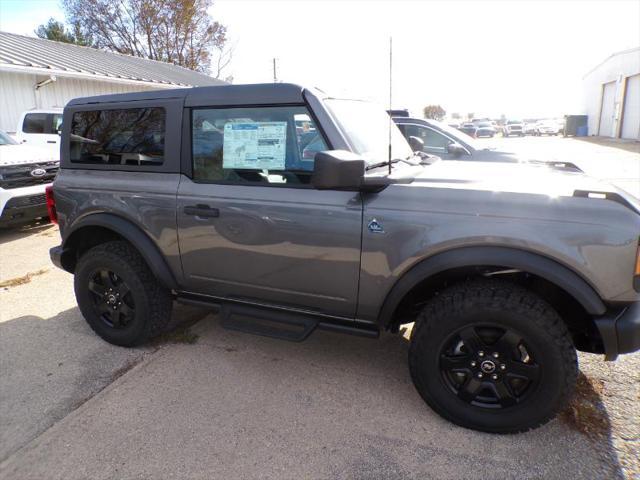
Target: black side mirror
{"points": [[456, 149], [338, 170], [416, 143]]}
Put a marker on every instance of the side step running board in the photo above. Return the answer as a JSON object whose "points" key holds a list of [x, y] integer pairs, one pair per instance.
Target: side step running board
{"points": [[277, 323], [283, 325]]}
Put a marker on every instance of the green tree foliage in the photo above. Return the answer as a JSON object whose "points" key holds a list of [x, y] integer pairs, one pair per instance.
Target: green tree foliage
{"points": [[55, 30]]}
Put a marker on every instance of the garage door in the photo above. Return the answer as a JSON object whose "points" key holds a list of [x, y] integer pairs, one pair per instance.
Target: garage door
{"points": [[631, 116], [608, 109]]}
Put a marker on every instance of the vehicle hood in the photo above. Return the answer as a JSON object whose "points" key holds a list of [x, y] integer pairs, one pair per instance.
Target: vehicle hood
{"points": [[496, 155], [516, 178], [25, 154]]}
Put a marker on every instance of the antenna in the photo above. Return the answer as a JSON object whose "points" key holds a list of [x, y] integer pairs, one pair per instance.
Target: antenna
{"points": [[390, 95], [275, 75]]}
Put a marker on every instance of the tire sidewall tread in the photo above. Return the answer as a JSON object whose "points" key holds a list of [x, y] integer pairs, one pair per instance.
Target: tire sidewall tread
{"points": [[552, 337], [153, 302]]}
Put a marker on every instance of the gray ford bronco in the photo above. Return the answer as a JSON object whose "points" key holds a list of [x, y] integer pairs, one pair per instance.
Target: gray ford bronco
{"points": [[279, 205]]}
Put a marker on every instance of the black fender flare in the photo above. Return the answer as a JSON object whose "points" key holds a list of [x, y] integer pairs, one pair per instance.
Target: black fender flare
{"points": [[507, 257], [130, 232]]}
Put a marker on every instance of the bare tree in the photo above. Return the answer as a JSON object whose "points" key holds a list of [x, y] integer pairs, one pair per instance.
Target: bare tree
{"points": [[435, 112], [175, 31]]}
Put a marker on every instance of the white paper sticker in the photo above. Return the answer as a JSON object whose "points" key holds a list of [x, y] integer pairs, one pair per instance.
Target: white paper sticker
{"points": [[255, 145]]}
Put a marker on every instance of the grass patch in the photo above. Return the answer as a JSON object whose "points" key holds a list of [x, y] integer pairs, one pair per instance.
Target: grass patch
{"points": [[585, 412], [14, 282]]}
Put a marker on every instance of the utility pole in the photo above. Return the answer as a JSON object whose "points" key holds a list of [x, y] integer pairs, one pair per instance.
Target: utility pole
{"points": [[390, 96], [275, 75]]}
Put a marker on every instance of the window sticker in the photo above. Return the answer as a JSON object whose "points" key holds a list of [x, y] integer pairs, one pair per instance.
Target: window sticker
{"points": [[255, 145]]}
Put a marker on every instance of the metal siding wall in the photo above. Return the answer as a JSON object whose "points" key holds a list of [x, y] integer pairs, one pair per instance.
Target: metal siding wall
{"points": [[613, 69], [16, 96]]}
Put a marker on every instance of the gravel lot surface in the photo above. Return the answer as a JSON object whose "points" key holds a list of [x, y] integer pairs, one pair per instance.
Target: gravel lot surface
{"points": [[211, 403]]}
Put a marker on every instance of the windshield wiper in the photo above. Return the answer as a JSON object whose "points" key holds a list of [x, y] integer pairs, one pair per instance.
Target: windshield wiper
{"points": [[382, 164], [386, 163]]}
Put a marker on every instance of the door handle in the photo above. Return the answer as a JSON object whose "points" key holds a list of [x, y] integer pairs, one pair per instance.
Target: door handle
{"points": [[202, 211], [51, 141]]}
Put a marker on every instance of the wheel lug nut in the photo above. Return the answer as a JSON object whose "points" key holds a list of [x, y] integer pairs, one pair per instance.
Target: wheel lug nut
{"points": [[480, 375], [494, 376], [503, 367], [496, 354], [481, 353], [473, 363]]}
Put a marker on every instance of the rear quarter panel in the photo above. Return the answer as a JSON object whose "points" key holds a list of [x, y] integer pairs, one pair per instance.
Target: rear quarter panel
{"points": [[147, 200]]}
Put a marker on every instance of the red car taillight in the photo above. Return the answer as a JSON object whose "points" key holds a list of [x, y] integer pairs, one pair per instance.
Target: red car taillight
{"points": [[51, 204]]}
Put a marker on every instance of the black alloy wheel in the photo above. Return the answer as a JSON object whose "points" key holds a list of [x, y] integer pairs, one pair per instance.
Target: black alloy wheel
{"points": [[489, 367], [112, 298]]}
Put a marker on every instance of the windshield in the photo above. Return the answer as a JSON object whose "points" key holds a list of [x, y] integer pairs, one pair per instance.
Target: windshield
{"points": [[5, 139], [367, 127]]}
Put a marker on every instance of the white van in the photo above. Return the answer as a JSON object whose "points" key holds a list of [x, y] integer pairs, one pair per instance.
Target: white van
{"points": [[40, 128]]}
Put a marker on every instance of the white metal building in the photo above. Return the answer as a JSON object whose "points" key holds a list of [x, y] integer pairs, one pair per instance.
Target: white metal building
{"points": [[41, 74], [612, 96]]}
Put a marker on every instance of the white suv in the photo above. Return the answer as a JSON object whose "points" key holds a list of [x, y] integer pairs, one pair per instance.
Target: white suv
{"points": [[513, 127], [40, 128], [25, 172]]}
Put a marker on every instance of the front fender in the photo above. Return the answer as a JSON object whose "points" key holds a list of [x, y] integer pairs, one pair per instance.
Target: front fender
{"points": [[541, 266]]}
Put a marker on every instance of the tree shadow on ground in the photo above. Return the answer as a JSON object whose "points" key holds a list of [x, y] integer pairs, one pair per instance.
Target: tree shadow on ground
{"points": [[18, 232]]}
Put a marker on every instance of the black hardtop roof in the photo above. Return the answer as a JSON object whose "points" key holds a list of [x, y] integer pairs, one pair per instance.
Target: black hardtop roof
{"points": [[251, 94]]}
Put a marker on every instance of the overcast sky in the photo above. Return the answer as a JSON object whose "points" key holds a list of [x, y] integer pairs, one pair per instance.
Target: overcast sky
{"points": [[519, 58]]}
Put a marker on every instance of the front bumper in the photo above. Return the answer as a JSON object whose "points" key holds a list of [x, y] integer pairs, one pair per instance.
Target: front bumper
{"points": [[620, 331], [23, 209]]}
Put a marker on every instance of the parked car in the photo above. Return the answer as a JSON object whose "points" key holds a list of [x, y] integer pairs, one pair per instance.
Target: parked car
{"points": [[436, 138], [529, 128], [364, 239], [513, 127], [40, 128], [25, 171], [547, 127], [485, 129], [469, 129]]}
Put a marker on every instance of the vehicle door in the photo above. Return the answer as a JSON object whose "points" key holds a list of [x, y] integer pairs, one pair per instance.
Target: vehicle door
{"points": [[251, 226]]}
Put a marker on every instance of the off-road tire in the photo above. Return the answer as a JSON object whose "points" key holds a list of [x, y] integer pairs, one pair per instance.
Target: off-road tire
{"points": [[509, 306], [153, 302]]}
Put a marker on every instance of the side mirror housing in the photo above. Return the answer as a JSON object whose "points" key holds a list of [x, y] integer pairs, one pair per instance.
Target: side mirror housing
{"points": [[456, 149], [338, 170]]}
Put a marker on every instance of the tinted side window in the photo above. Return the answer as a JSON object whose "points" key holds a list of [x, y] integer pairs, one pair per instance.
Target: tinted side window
{"points": [[262, 145], [431, 138], [133, 136], [34, 123]]}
